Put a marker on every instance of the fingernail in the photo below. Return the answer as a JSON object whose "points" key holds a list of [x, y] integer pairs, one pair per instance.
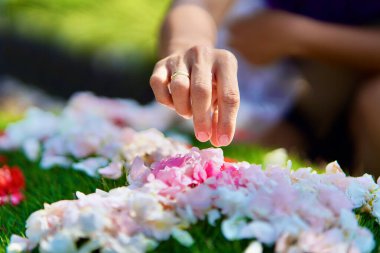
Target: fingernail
{"points": [[224, 140], [202, 136], [186, 116]]}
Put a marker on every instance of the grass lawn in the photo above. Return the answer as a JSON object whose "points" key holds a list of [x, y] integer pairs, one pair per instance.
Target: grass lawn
{"points": [[115, 27]]}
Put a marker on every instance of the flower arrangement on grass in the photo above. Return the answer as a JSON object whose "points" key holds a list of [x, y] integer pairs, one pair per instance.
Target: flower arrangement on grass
{"points": [[172, 188], [91, 135], [296, 211]]}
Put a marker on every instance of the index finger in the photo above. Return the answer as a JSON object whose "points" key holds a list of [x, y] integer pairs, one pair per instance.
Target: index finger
{"points": [[228, 96]]}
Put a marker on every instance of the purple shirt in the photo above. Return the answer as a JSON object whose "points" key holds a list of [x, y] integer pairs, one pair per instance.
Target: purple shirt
{"points": [[357, 12]]}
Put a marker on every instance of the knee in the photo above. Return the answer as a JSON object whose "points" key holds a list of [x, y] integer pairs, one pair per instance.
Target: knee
{"points": [[367, 100]]}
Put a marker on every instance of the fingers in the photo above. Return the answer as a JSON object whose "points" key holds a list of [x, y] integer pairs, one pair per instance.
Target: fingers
{"points": [[159, 82], [213, 106], [180, 87], [228, 97], [214, 137], [201, 93]]}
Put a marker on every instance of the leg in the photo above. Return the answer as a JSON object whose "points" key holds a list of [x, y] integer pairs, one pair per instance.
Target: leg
{"points": [[365, 126], [323, 95]]}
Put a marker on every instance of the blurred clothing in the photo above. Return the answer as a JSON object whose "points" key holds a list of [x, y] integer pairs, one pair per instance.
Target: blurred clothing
{"points": [[354, 12], [268, 92]]}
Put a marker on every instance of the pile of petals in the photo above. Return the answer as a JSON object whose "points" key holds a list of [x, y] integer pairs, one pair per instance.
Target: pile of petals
{"points": [[91, 134], [12, 183], [291, 210]]}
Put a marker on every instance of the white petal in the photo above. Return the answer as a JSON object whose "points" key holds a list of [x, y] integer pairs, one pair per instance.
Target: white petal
{"points": [[112, 171], [278, 157], [333, 168], [48, 162], [91, 165], [254, 247], [183, 237], [18, 244], [212, 216], [58, 243], [31, 148], [231, 227]]}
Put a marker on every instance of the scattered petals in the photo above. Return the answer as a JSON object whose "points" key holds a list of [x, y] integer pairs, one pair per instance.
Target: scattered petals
{"points": [[113, 170]]}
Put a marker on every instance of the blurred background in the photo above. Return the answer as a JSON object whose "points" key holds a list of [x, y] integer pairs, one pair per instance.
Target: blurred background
{"points": [[63, 46], [49, 49]]}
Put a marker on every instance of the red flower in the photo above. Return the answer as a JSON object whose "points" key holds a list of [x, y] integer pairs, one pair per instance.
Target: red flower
{"points": [[12, 183]]}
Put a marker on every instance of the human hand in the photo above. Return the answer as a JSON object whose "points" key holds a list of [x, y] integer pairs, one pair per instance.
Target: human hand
{"points": [[201, 82], [268, 36]]}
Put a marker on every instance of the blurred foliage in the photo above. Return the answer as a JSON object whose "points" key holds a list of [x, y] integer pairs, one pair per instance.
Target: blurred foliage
{"points": [[112, 27], [7, 117]]}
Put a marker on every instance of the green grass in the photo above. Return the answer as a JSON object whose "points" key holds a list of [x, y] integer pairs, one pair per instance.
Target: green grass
{"points": [[112, 27]]}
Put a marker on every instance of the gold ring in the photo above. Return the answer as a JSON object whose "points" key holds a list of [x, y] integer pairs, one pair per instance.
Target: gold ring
{"points": [[179, 73]]}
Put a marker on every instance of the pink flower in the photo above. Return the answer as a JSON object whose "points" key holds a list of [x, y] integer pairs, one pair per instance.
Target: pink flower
{"points": [[189, 170]]}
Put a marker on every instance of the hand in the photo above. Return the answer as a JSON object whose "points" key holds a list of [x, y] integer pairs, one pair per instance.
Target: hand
{"points": [[267, 36], [209, 93]]}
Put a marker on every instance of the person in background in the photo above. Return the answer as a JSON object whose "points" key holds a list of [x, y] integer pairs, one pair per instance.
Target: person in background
{"points": [[335, 45]]}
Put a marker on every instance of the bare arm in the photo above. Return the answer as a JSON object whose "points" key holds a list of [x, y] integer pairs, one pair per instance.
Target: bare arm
{"points": [[210, 92], [350, 46], [278, 34]]}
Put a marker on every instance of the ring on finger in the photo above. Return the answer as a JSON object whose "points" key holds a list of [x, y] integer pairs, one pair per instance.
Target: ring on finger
{"points": [[180, 73]]}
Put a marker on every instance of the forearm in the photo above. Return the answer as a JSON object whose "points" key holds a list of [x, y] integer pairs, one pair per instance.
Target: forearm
{"points": [[187, 25], [344, 45]]}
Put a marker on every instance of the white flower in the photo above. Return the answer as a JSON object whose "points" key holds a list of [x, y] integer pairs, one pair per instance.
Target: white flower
{"points": [[376, 206], [19, 244], [31, 148], [37, 226], [91, 165], [58, 243], [138, 173], [37, 124], [364, 240], [277, 157], [48, 162], [333, 168], [231, 227], [113, 170], [348, 221], [357, 194], [262, 231], [183, 237], [212, 216], [231, 202], [254, 247]]}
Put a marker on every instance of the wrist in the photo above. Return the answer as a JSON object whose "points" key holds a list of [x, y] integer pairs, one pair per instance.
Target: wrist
{"points": [[181, 45], [303, 33]]}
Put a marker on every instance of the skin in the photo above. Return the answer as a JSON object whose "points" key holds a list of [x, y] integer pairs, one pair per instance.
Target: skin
{"points": [[210, 95]]}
